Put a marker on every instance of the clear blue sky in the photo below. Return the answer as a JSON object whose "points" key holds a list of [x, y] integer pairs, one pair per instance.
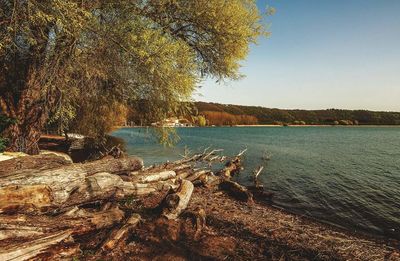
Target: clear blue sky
{"points": [[321, 54]]}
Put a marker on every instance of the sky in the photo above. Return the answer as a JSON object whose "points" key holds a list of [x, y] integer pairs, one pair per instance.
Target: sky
{"points": [[321, 54]]}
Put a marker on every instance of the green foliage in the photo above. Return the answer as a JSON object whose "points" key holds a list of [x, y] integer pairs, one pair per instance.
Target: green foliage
{"points": [[201, 121], [77, 59], [3, 144], [4, 123], [166, 135], [297, 122]]}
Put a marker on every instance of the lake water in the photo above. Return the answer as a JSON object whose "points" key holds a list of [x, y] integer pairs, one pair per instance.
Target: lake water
{"points": [[347, 176]]}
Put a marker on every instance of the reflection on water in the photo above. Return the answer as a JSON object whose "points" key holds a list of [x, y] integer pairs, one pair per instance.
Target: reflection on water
{"points": [[348, 176]]}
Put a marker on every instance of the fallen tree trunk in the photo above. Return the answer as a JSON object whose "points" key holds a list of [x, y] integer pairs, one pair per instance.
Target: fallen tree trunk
{"points": [[79, 222], [154, 177], [55, 196], [34, 163], [236, 190], [197, 174], [178, 201], [23, 237], [232, 167], [69, 185]]}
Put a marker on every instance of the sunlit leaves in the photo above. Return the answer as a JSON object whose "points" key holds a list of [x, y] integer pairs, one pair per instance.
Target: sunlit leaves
{"points": [[89, 56]]}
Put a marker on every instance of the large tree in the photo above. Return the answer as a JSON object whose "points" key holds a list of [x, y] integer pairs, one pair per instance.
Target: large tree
{"points": [[60, 58]]}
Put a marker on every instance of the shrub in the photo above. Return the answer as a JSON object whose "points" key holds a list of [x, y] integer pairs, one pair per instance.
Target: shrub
{"points": [[4, 123]]}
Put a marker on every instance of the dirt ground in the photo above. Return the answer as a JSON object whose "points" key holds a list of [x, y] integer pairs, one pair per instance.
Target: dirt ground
{"points": [[218, 227]]}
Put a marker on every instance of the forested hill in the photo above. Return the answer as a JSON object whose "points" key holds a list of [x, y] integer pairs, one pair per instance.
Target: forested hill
{"points": [[219, 114]]}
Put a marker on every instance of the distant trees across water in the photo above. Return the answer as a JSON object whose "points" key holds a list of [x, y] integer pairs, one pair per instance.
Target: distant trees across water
{"points": [[227, 114], [219, 118]]}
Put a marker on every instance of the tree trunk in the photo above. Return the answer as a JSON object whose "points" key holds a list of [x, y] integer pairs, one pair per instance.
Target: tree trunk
{"points": [[30, 111], [24, 139]]}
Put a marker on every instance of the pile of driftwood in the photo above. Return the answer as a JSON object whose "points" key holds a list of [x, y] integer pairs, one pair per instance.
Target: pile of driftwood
{"points": [[51, 208]]}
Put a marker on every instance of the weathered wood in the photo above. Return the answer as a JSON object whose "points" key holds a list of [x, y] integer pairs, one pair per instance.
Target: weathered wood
{"points": [[31, 164], [55, 196], [70, 185], [81, 200], [260, 194], [256, 174], [154, 177], [112, 165], [177, 202], [78, 222], [31, 249], [181, 168], [231, 168], [122, 233], [197, 174], [185, 174], [236, 190], [66, 250], [211, 180]]}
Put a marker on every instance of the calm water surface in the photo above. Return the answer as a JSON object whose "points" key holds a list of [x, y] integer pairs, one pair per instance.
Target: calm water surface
{"points": [[347, 176]]}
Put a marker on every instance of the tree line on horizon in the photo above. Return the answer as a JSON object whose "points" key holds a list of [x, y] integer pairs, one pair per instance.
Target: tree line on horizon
{"points": [[221, 113]]}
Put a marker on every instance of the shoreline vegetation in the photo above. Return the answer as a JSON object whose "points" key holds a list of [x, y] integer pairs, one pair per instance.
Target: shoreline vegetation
{"points": [[204, 114], [174, 211], [222, 115], [266, 125]]}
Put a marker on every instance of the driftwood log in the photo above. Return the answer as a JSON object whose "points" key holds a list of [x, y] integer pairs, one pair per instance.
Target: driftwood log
{"points": [[236, 190], [67, 186], [178, 201], [35, 163], [34, 235], [49, 207]]}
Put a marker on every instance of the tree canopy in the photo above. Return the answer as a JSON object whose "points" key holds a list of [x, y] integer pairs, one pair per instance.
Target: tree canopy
{"points": [[65, 60]]}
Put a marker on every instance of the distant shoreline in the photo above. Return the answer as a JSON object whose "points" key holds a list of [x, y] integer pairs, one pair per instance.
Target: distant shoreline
{"points": [[310, 125], [267, 125]]}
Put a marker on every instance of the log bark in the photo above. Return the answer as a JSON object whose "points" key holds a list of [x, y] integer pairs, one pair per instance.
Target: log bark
{"points": [[231, 168], [155, 177], [25, 102], [34, 163], [236, 190], [70, 185], [197, 174], [79, 222], [56, 196], [178, 201], [24, 237], [122, 233], [31, 249]]}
